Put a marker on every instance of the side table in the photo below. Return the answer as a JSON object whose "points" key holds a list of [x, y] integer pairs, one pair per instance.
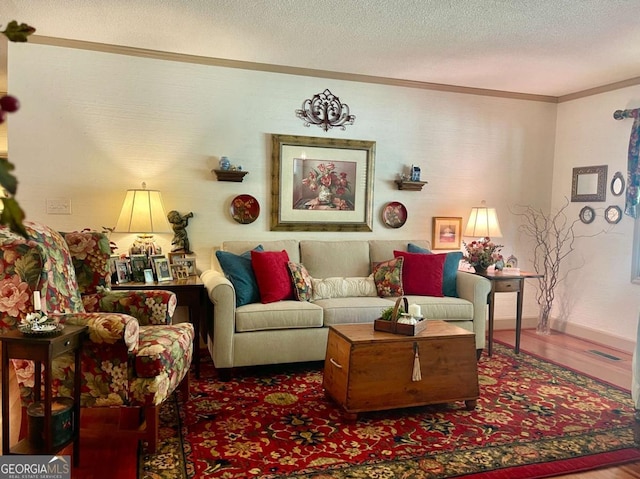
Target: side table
{"points": [[42, 350], [190, 292], [507, 283]]}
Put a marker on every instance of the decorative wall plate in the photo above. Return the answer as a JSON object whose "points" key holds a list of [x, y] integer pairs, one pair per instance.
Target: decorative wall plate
{"points": [[613, 214], [394, 214], [587, 215], [244, 209]]}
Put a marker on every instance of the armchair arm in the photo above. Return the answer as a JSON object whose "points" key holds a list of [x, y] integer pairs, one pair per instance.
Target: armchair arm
{"points": [[223, 322], [475, 289], [106, 328], [147, 306], [106, 357]]}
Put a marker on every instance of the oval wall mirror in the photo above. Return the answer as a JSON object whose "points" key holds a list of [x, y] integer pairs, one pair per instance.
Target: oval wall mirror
{"points": [[617, 184]]}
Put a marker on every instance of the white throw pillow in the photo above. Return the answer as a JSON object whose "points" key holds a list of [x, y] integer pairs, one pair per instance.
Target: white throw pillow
{"points": [[343, 287]]}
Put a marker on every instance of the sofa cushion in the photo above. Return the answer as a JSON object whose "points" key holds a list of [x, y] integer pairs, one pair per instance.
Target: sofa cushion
{"points": [[278, 315], [301, 280], [382, 250], [330, 259], [422, 273], [239, 271], [238, 246], [443, 307], [343, 287], [387, 276], [450, 272], [272, 275], [352, 310]]}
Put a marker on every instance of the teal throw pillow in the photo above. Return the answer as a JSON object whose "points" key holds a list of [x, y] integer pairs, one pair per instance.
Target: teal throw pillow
{"points": [[238, 269], [451, 263]]}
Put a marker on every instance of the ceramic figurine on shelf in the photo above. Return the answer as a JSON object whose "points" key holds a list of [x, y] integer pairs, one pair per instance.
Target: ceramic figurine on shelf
{"points": [[179, 224]]}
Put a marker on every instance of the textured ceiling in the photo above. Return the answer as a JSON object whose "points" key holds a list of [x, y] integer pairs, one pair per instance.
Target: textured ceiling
{"points": [[546, 47]]}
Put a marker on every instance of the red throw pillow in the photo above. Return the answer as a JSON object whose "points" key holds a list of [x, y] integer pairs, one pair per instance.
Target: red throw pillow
{"points": [[272, 275], [422, 273]]}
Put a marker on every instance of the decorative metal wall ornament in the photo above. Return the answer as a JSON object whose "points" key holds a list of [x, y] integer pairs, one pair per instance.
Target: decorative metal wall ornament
{"points": [[326, 111]]}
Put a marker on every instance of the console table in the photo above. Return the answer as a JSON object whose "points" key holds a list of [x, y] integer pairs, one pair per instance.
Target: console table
{"points": [[190, 292], [42, 350], [507, 283]]}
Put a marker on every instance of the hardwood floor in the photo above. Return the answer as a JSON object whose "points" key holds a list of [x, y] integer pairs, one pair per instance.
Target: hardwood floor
{"points": [[108, 452]]}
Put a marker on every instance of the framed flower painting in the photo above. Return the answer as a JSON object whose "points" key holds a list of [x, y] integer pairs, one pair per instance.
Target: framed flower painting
{"points": [[321, 184], [446, 233]]}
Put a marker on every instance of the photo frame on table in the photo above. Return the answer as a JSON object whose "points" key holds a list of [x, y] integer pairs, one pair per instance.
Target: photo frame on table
{"points": [[321, 184], [163, 271], [179, 271], [189, 262], [139, 262], [446, 232], [122, 271]]}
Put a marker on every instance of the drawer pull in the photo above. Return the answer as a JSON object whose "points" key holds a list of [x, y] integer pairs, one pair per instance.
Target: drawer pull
{"points": [[335, 363], [67, 342]]}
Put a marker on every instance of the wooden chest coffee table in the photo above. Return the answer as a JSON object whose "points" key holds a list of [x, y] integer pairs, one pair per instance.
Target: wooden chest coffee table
{"points": [[368, 370]]}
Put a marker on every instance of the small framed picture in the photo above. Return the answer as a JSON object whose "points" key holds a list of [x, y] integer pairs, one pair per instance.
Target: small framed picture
{"points": [[189, 262], [148, 275], [174, 256], [446, 233], [139, 263], [179, 272], [152, 262], [122, 271], [163, 272], [112, 268]]}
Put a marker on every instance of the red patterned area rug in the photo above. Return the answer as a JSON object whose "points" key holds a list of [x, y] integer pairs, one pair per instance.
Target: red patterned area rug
{"points": [[534, 419]]}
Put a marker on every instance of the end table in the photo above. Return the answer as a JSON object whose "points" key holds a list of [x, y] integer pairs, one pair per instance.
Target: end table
{"points": [[42, 350], [507, 283]]}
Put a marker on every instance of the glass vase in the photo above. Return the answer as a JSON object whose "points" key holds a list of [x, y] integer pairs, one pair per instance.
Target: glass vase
{"points": [[544, 321]]}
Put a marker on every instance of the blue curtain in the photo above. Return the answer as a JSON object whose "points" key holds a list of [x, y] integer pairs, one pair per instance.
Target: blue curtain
{"points": [[633, 165]]}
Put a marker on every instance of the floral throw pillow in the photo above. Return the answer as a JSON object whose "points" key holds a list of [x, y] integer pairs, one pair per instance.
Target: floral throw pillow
{"points": [[302, 284], [388, 277]]}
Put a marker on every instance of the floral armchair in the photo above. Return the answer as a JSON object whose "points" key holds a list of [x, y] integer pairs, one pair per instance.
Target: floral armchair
{"points": [[133, 355]]}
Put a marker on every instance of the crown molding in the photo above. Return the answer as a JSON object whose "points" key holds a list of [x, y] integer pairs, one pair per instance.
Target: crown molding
{"points": [[287, 70]]}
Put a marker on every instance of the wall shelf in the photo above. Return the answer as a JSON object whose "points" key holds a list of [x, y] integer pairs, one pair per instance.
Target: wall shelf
{"points": [[230, 175], [410, 185]]}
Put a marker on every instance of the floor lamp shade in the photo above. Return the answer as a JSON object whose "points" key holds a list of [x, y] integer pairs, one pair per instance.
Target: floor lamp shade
{"points": [[143, 212], [483, 222]]}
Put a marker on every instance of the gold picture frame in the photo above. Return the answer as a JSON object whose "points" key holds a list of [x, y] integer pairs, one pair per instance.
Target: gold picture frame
{"points": [[300, 166], [446, 233]]}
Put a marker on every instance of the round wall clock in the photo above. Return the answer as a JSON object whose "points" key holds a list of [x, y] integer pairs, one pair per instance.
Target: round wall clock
{"points": [[613, 214], [587, 215]]}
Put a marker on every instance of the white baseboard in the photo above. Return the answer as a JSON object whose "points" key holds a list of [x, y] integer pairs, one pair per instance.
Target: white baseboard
{"points": [[582, 332]]}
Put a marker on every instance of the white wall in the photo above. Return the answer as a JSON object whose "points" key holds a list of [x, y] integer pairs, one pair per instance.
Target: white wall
{"points": [[598, 296], [95, 124]]}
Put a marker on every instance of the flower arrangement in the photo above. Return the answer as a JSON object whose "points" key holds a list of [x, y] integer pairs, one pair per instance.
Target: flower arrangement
{"points": [[326, 176], [482, 253]]}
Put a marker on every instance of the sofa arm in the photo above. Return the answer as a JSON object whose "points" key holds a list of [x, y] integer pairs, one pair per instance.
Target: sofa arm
{"points": [[149, 307], [475, 289], [222, 324]]}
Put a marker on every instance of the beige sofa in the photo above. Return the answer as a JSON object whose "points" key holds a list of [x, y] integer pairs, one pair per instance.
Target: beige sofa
{"points": [[296, 331]]}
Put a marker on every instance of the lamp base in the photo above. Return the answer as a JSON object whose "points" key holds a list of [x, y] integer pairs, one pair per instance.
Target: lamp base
{"points": [[145, 244]]}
